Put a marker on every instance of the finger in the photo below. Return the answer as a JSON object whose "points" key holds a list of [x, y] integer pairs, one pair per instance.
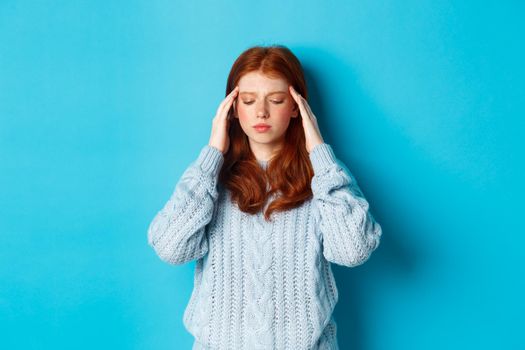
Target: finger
{"points": [[294, 95], [301, 102], [232, 99], [229, 97], [303, 105], [228, 107], [297, 97], [294, 92], [310, 113], [225, 105]]}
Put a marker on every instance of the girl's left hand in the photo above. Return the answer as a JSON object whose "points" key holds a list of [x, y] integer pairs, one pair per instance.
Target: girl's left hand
{"points": [[311, 129]]}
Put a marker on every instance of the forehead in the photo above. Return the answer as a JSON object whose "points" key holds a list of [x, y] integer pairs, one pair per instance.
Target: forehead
{"points": [[255, 81]]}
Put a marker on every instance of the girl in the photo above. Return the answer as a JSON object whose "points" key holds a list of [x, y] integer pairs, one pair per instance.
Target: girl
{"points": [[264, 210]]}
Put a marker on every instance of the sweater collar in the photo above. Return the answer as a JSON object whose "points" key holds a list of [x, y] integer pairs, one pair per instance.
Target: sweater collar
{"points": [[263, 163]]}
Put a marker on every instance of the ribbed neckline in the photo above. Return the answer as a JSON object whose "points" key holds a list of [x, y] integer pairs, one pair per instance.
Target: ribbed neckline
{"points": [[263, 163]]}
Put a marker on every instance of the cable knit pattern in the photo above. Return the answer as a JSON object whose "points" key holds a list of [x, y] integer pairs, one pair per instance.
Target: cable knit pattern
{"points": [[259, 284]]}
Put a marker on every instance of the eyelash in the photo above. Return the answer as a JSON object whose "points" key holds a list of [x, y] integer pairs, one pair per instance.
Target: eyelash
{"points": [[250, 102]]}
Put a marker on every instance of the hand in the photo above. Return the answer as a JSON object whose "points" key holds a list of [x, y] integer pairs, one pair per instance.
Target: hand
{"points": [[311, 129], [219, 134]]}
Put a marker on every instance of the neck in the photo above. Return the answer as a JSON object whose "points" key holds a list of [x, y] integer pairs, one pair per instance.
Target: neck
{"points": [[265, 151]]}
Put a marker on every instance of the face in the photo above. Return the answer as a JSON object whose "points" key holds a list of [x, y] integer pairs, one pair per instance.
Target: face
{"points": [[262, 99]]}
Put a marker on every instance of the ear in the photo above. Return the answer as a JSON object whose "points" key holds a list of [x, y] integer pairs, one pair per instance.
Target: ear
{"points": [[295, 111]]}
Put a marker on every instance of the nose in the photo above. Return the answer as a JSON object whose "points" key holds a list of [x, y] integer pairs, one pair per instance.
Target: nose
{"points": [[262, 111]]}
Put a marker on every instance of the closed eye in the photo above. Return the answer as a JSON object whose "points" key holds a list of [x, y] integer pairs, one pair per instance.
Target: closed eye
{"points": [[250, 102]]}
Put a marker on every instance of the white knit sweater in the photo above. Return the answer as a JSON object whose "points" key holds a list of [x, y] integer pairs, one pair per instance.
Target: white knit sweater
{"points": [[258, 284]]}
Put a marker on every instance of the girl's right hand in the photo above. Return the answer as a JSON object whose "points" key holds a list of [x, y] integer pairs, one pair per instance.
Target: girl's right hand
{"points": [[219, 134]]}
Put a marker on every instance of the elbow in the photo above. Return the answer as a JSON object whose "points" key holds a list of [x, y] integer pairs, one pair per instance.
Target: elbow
{"points": [[371, 237], [170, 257], [350, 260], [160, 239], [359, 258], [360, 251], [179, 251]]}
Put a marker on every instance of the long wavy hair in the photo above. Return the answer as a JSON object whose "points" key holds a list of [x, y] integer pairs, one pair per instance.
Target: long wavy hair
{"points": [[289, 172]]}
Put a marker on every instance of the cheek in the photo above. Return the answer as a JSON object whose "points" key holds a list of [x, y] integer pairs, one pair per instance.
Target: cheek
{"points": [[288, 109], [283, 121], [282, 114], [242, 113]]}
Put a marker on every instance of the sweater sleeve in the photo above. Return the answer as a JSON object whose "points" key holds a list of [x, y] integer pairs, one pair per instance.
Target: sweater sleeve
{"points": [[349, 232], [177, 232]]}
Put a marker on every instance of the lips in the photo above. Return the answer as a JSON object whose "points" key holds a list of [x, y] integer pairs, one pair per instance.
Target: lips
{"points": [[262, 127]]}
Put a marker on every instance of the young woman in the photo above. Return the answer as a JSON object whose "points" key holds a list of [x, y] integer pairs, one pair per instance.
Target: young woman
{"points": [[265, 209]]}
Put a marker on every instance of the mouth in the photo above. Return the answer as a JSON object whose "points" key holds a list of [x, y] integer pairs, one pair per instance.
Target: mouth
{"points": [[261, 127]]}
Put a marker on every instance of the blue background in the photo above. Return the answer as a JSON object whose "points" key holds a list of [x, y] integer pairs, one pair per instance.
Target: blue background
{"points": [[104, 104]]}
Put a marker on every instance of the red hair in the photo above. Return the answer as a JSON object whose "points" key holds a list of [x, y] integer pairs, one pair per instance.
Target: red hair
{"points": [[289, 173]]}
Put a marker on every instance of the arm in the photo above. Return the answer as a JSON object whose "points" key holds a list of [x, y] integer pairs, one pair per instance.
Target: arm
{"points": [[177, 233], [348, 229]]}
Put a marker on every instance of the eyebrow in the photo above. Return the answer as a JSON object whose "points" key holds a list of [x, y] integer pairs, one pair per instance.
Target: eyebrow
{"points": [[254, 93]]}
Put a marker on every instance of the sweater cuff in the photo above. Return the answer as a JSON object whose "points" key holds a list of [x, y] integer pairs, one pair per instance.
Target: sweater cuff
{"points": [[210, 160], [322, 156]]}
